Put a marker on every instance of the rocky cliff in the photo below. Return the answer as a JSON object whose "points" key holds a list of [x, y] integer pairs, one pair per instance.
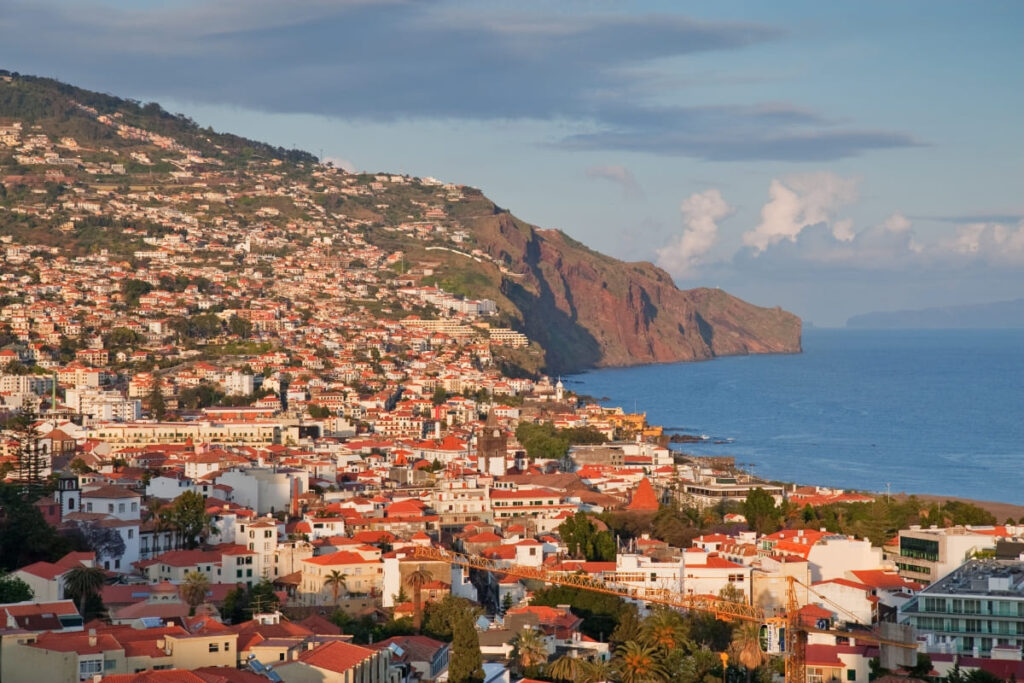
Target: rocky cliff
{"points": [[589, 310]]}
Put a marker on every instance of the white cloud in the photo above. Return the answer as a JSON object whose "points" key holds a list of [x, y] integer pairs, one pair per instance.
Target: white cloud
{"points": [[896, 223], [701, 213], [992, 243], [619, 175], [798, 201]]}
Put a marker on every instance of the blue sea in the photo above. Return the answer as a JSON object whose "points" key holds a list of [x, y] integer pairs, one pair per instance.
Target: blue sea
{"points": [[922, 411]]}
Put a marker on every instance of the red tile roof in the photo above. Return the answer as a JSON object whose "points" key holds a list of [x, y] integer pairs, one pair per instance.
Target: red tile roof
{"points": [[644, 499], [336, 656]]}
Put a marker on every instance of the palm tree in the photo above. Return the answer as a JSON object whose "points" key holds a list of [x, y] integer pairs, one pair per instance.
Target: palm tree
{"points": [[416, 581], [639, 662], [336, 581], [529, 649], [746, 647], [666, 629], [194, 589], [82, 581], [596, 671], [565, 668]]}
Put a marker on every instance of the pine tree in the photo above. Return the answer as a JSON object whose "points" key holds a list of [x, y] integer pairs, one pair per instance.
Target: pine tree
{"points": [[157, 404], [465, 665], [28, 452]]}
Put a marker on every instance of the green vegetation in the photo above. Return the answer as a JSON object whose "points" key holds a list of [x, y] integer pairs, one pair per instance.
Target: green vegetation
{"points": [[601, 613], [544, 440], [13, 589], [584, 540], [366, 629], [36, 100], [241, 603]]}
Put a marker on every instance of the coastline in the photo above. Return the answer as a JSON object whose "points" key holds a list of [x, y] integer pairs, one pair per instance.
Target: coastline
{"points": [[854, 410]]}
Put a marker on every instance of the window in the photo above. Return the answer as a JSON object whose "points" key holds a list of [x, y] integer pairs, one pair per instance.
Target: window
{"points": [[281, 656], [110, 507], [214, 647], [851, 674], [71, 503], [248, 572], [88, 506], [227, 647], [131, 533], [239, 574], [266, 534], [117, 564], [120, 507], [135, 507], [87, 668]]}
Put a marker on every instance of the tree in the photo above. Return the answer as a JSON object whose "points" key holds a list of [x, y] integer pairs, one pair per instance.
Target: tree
{"points": [[190, 518], [529, 651], [103, 540], [465, 664], [81, 582], [695, 667], [439, 616], [157, 403], [760, 510], [638, 662], [28, 453], [665, 628], [602, 614], [78, 466], [416, 580], [194, 589], [318, 412], [566, 668], [239, 326], [132, 289], [731, 593], [120, 338], [13, 589], [25, 537], [598, 671], [746, 647], [336, 581], [440, 396], [578, 534]]}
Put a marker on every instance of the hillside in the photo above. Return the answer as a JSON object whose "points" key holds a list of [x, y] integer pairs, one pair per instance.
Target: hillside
{"points": [[995, 316], [82, 173]]}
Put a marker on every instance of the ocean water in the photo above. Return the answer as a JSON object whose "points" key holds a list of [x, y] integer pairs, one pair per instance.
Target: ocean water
{"points": [[924, 411]]}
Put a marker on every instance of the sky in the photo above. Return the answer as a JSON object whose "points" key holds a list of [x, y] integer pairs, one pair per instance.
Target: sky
{"points": [[831, 158]]}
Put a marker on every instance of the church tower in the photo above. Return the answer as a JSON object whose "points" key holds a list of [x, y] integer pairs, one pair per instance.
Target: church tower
{"points": [[67, 493], [491, 447]]}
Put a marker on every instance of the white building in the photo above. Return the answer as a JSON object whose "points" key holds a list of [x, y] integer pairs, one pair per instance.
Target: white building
{"points": [[707, 574], [977, 610], [927, 555], [238, 384], [263, 489]]}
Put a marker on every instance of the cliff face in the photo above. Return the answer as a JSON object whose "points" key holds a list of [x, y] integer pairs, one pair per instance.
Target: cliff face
{"points": [[589, 310]]}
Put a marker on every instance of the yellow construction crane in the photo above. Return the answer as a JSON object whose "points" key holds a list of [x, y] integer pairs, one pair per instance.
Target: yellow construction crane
{"points": [[901, 646]]}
